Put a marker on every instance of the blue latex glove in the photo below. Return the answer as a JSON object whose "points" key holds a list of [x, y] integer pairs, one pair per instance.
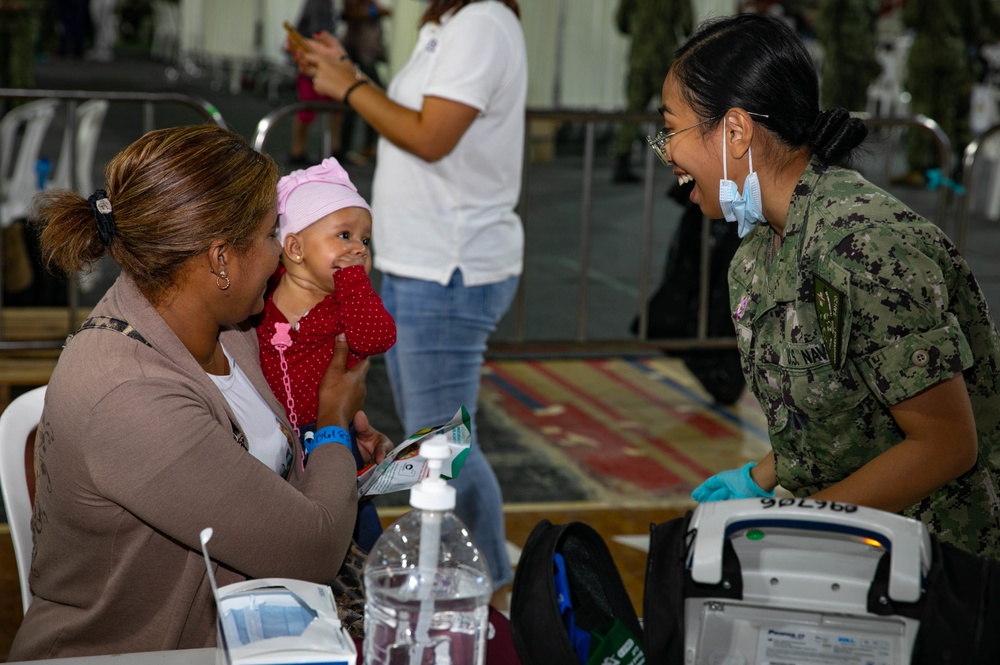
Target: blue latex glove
{"points": [[732, 484]]}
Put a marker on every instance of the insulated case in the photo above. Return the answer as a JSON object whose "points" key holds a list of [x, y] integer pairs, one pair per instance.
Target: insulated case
{"points": [[796, 581]]}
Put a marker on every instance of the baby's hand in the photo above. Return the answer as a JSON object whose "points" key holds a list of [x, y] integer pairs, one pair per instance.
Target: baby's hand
{"points": [[349, 272], [348, 261]]}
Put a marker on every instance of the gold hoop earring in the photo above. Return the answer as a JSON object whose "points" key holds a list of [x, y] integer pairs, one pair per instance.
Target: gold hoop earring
{"points": [[222, 275]]}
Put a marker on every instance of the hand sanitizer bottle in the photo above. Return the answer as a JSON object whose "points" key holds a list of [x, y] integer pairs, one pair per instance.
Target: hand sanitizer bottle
{"points": [[427, 587]]}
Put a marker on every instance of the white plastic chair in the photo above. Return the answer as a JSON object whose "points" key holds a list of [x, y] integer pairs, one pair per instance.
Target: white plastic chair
{"points": [[18, 177], [16, 423], [89, 120]]}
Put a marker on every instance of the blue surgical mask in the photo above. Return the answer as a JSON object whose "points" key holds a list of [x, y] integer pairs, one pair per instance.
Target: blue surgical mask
{"points": [[744, 209]]}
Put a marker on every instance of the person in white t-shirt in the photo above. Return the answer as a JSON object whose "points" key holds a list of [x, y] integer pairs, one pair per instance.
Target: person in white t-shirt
{"points": [[448, 243]]}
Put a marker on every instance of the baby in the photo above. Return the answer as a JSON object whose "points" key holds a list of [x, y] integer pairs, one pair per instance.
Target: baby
{"points": [[321, 288]]}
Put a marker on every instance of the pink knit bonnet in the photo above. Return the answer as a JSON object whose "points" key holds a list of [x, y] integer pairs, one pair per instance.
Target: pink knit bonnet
{"points": [[308, 195]]}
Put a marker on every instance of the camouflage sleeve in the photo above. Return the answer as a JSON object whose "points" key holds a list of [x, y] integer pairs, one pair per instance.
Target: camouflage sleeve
{"points": [[902, 338], [913, 12], [623, 17], [826, 23], [687, 17]]}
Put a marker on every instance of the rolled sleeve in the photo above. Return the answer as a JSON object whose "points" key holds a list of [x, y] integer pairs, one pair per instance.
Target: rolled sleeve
{"points": [[904, 336], [915, 362]]}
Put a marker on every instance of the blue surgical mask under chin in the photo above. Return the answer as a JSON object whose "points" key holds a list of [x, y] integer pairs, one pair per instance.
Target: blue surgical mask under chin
{"points": [[745, 208]]}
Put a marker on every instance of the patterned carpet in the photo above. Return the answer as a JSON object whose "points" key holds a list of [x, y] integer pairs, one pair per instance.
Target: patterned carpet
{"points": [[600, 432], [603, 432], [616, 431]]}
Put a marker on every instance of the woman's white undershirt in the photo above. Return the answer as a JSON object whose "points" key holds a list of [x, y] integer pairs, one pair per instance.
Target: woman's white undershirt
{"points": [[265, 438]]}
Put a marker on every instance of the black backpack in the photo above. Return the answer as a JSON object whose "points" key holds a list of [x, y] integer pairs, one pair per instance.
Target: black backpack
{"points": [[596, 593]]}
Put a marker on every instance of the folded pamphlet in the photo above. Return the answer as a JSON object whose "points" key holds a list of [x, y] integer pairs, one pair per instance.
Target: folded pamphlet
{"points": [[403, 467]]}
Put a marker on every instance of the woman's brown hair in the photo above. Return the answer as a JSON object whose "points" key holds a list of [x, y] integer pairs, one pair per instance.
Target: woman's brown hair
{"points": [[438, 8], [172, 192]]}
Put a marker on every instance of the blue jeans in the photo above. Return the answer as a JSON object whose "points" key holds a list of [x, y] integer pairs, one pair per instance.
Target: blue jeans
{"points": [[435, 367]]}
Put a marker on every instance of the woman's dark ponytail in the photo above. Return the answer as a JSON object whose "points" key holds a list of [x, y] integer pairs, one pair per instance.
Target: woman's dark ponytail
{"points": [[834, 134]]}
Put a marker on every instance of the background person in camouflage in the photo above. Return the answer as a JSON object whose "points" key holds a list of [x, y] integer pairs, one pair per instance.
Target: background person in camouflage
{"points": [[19, 27], [846, 30], [656, 28], [861, 330], [941, 70]]}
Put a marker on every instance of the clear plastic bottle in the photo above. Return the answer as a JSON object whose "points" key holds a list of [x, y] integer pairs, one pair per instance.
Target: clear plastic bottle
{"points": [[427, 587]]}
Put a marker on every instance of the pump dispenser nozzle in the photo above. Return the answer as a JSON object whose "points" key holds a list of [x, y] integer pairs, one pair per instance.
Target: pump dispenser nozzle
{"points": [[433, 493]]}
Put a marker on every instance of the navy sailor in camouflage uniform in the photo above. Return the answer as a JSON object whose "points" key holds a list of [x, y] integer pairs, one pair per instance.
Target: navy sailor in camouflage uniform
{"points": [[861, 329]]}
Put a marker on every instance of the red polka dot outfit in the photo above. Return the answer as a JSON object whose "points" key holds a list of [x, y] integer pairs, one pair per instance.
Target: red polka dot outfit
{"points": [[353, 309]]}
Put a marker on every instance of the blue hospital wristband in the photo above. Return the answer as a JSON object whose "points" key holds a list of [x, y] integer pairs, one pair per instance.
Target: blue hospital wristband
{"points": [[328, 434]]}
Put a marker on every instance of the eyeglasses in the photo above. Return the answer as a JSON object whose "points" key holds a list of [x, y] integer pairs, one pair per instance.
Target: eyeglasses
{"points": [[659, 142]]}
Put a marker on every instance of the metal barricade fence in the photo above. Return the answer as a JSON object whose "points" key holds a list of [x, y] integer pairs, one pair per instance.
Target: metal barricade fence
{"points": [[942, 143], [582, 342], [266, 124], [521, 342], [971, 158], [72, 99]]}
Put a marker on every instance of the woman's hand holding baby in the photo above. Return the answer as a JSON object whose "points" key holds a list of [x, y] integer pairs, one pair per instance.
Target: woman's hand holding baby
{"points": [[342, 391]]}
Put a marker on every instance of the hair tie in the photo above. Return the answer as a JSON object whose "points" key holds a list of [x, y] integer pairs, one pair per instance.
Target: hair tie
{"points": [[100, 206]]}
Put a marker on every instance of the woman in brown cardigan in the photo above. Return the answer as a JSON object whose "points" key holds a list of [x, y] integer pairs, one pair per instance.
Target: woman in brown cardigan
{"points": [[158, 422]]}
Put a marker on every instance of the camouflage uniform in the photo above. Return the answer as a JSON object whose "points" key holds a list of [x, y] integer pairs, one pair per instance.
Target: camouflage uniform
{"points": [[656, 27], [940, 71], [865, 305], [19, 27], [846, 29]]}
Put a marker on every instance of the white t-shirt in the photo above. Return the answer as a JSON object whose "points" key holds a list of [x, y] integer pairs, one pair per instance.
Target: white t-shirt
{"points": [[265, 439], [458, 212]]}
